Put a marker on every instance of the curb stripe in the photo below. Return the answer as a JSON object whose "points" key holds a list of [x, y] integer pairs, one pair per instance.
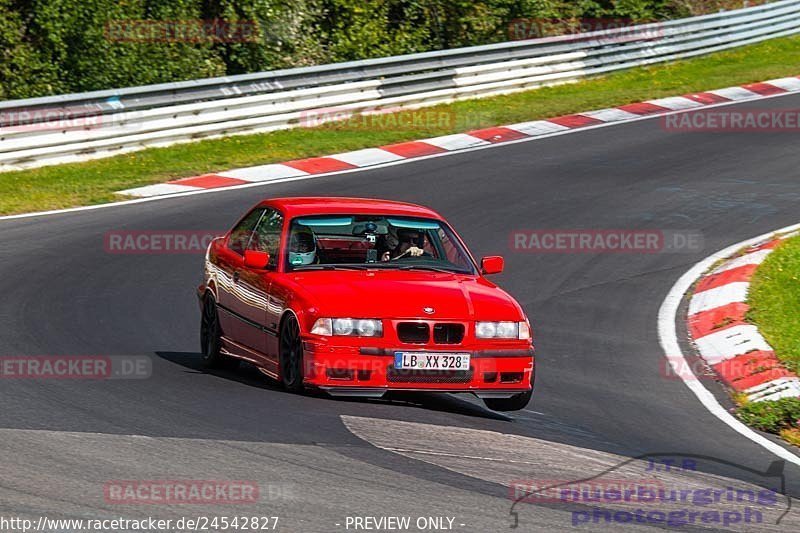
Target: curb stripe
{"points": [[497, 135], [719, 296], [726, 344], [675, 103], [751, 369], [717, 319], [264, 173], [456, 141], [707, 98], [764, 89], [413, 149], [735, 93], [575, 121], [319, 165], [367, 157], [643, 108], [733, 275], [751, 258], [209, 181], [159, 189]]}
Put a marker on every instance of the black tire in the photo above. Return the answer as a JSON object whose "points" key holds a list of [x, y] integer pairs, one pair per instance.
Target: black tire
{"points": [[291, 355], [515, 403], [210, 337]]}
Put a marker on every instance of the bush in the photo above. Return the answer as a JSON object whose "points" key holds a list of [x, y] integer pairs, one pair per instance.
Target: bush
{"points": [[772, 416]]}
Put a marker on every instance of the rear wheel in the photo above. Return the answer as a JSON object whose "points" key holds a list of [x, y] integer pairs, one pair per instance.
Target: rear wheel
{"points": [[211, 335], [291, 355]]}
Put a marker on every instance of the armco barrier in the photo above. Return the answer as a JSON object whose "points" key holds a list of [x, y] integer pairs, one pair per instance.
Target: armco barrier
{"points": [[75, 127]]}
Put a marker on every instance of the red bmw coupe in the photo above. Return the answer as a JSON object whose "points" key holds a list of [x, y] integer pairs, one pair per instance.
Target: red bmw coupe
{"points": [[359, 297]]}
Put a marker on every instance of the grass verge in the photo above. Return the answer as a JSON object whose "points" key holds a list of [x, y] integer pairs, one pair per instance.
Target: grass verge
{"points": [[96, 181], [774, 298]]}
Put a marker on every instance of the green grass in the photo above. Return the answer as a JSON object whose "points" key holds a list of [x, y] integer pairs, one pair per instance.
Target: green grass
{"points": [[774, 300], [96, 181]]}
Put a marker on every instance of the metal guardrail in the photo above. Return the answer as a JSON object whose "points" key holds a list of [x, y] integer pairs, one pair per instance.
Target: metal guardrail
{"points": [[76, 127]]}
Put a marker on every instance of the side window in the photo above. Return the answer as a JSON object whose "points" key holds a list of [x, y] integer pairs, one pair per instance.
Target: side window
{"points": [[240, 236], [267, 236]]}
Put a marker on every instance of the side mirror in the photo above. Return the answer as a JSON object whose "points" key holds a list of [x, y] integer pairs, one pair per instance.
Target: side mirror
{"points": [[256, 259], [492, 264]]}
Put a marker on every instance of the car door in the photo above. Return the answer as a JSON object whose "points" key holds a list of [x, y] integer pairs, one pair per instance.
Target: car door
{"points": [[229, 263], [253, 289]]}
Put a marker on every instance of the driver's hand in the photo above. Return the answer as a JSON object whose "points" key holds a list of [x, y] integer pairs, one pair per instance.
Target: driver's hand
{"points": [[386, 256], [415, 252]]}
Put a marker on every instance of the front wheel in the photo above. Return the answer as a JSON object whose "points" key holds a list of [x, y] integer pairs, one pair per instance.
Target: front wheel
{"points": [[211, 335], [517, 402], [291, 355], [514, 403]]}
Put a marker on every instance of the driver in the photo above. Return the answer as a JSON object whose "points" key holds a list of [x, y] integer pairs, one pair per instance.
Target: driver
{"points": [[403, 243], [302, 247]]}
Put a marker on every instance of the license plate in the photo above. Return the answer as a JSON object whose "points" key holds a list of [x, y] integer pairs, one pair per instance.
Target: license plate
{"points": [[431, 361]]}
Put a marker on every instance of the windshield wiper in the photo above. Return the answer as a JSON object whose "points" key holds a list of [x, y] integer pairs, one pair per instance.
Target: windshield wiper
{"points": [[427, 267], [330, 267]]}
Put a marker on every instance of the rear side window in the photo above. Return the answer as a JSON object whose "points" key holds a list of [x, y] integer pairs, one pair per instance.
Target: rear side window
{"points": [[241, 234]]}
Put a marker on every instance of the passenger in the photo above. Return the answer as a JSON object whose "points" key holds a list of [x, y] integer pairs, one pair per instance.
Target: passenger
{"points": [[403, 243]]}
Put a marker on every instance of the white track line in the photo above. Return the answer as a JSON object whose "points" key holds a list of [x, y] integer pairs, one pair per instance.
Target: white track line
{"points": [[668, 338], [485, 146]]}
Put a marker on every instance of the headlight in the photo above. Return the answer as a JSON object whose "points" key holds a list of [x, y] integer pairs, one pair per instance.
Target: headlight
{"points": [[354, 327], [502, 330]]}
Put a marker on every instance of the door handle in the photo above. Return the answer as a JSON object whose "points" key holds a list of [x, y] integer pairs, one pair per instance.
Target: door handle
{"points": [[236, 276]]}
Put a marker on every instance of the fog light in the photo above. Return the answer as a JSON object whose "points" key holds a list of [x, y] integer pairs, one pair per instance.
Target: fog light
{"points": [[340, 373], [511, 377]]}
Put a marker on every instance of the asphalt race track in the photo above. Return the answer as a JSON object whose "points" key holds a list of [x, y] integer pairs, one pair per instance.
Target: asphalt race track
{"points": [[601, 396]]}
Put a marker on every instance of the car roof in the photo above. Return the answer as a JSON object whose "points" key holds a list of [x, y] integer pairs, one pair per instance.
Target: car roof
{"points": [[320, 205]]}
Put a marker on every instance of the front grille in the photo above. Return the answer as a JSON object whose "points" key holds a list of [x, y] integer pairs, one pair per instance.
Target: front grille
{"points": [[413, 332], [394, 375], [448, 333]]}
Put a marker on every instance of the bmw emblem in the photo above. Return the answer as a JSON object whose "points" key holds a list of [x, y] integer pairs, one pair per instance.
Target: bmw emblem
{"points": [[428, 310]]}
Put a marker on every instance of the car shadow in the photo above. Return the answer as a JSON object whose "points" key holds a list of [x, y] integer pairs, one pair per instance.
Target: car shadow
{"points": [[247, 374]]}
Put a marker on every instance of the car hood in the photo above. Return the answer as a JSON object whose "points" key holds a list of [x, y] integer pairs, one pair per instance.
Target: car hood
{"points": [[394, 294]]}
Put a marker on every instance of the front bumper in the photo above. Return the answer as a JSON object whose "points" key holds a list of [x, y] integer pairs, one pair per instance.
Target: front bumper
{"points": [[496, 372]]}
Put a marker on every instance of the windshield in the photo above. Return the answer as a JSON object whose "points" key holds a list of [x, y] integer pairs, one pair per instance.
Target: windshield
{"points": [[374, 241]]}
